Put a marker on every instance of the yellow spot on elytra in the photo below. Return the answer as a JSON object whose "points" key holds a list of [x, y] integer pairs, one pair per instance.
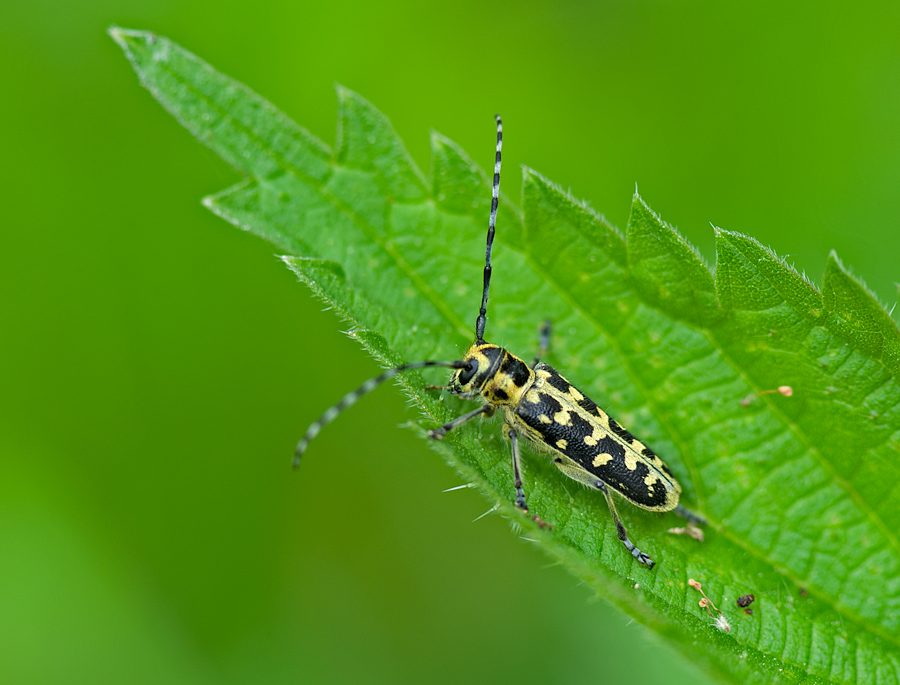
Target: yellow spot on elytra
{"points": [[573, 391], [543, 418], [631, 460], [650, 479], [562, 444], [602, 459], [533, 396], [590, 440], [562, 418]]}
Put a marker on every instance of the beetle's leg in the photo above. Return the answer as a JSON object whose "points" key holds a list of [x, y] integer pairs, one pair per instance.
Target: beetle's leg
{"points": [[517, 469], [575, 472], [620, 528], [544, 342], [440, 432], [510, 434], [691, 517]]}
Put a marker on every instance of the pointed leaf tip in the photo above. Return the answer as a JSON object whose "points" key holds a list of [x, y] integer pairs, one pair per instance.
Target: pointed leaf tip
{"points": [[124, 36], [458, 184], [309, 266], [855, 313], [368, 141], [140, 46], [667, 269], [246, 130], [751, 277], [555, 210]]}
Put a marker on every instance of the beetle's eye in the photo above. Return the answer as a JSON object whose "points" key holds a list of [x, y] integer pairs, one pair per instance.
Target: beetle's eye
{"points": [[465, 375]]}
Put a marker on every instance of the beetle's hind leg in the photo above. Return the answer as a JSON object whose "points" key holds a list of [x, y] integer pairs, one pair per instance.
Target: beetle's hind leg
{"points": [[691, 517], [620, 528], [582, 476]]}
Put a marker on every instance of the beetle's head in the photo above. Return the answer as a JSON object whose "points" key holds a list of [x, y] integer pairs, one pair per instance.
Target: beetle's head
{"points": [[484, 360]]}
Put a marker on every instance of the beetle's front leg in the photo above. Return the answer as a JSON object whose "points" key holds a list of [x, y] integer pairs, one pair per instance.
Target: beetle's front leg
{"points": [[441, 431]]}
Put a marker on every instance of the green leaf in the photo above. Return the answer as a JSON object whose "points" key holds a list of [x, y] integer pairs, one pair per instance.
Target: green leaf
{"points": [[667, 271], [802, 491]]}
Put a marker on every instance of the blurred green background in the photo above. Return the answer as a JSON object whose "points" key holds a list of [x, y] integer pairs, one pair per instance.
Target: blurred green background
{"points": [[159, 365]]}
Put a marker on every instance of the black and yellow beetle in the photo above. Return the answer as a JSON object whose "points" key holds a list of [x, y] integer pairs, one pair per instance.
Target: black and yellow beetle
{"points": [[541, 406]]}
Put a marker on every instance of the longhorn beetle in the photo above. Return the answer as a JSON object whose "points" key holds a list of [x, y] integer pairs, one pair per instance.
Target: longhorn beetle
{"points": [[541, 406]]}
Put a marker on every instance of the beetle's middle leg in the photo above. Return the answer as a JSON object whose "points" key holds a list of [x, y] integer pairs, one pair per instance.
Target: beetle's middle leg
{"points": [[510, 434]]}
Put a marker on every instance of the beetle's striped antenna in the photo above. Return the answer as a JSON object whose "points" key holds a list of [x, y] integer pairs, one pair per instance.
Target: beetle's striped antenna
{"points": [[492, 224], [352, 398]]}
